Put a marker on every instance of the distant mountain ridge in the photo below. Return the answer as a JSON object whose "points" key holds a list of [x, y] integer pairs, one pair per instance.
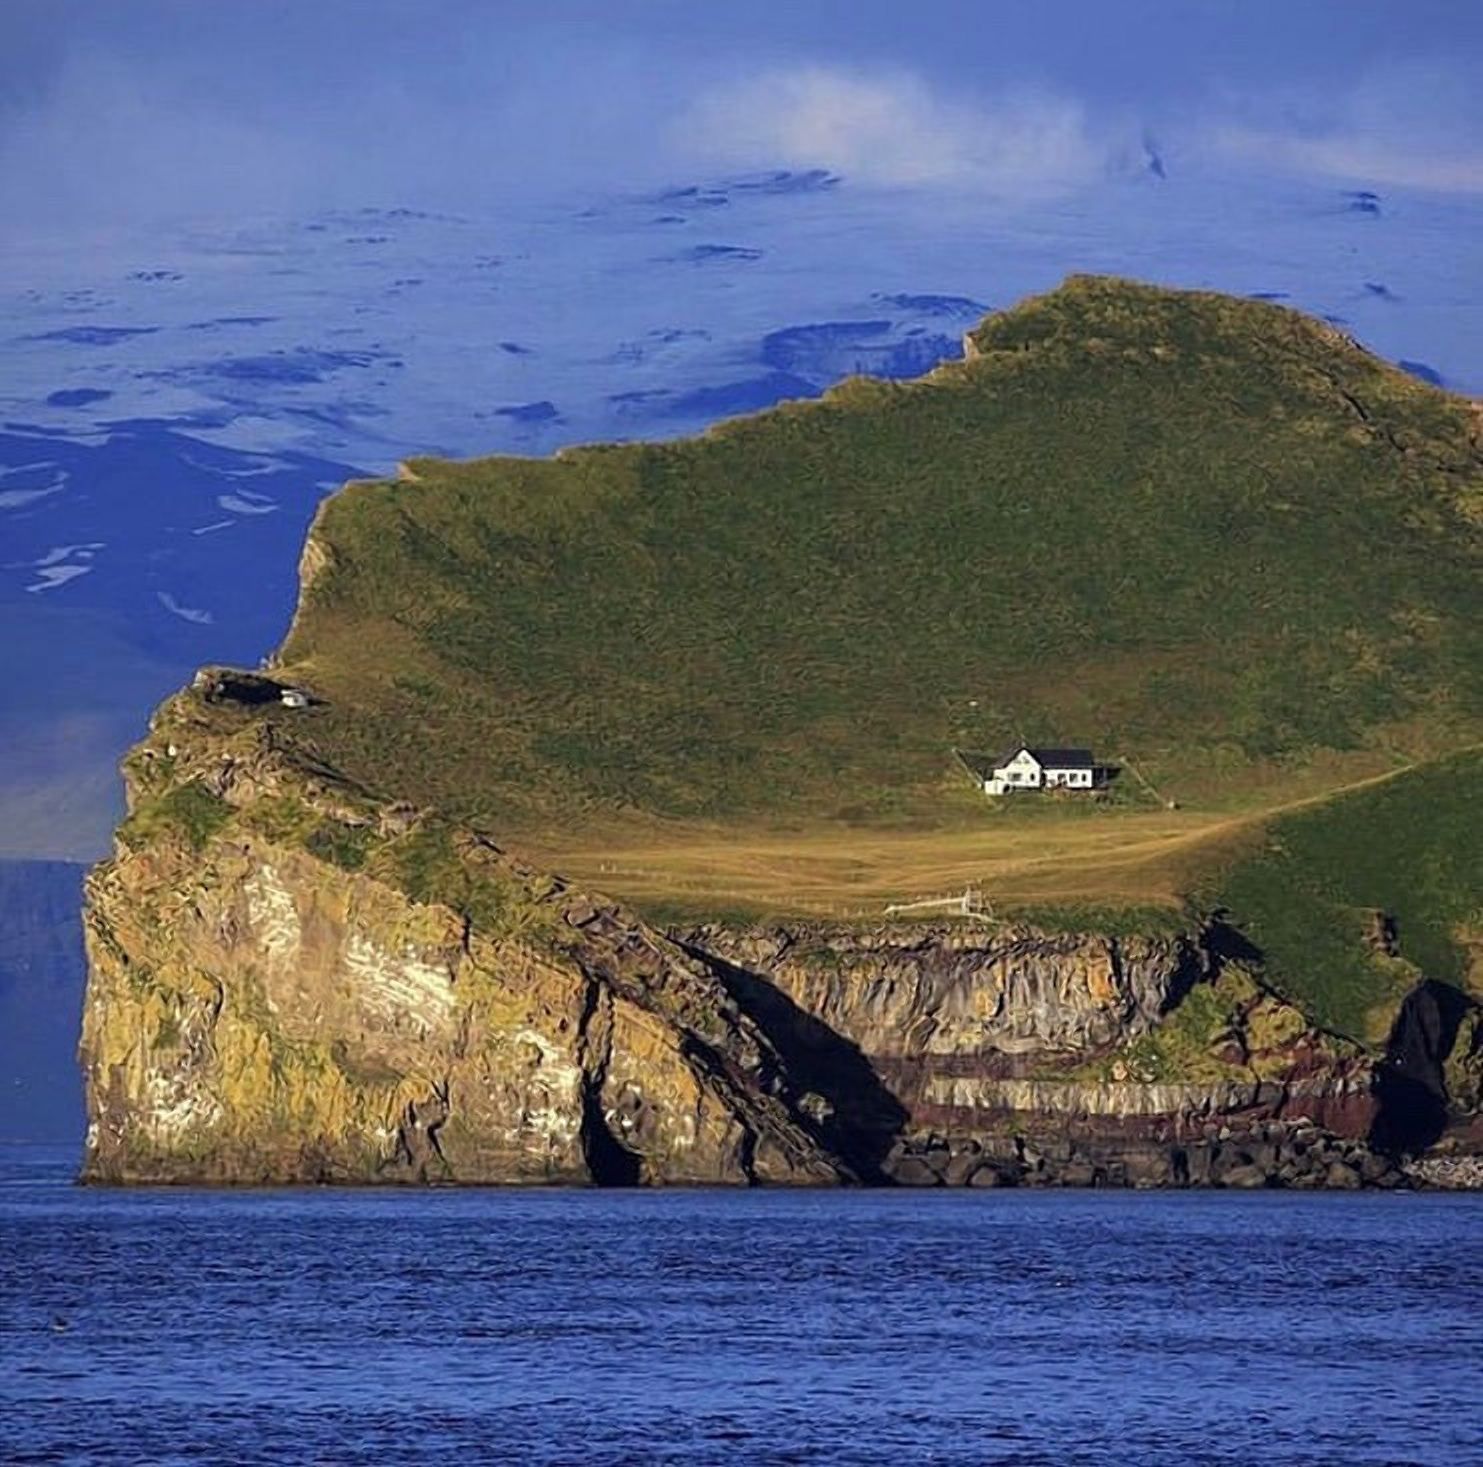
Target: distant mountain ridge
{"points": [[41, 981]]}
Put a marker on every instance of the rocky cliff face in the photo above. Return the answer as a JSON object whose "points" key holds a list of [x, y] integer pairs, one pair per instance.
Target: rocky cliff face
{"points": [[292, 980], [1003, 1056], [291, 983]]}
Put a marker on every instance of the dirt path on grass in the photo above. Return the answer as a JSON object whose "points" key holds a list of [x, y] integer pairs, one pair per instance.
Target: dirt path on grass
{"points": [[1106, 856]]}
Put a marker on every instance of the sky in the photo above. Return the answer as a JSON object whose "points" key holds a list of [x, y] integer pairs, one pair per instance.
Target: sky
{"points": [[134, 111]]}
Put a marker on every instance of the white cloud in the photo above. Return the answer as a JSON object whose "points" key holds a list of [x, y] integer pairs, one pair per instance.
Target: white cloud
{"points": [[1357, 158], [1417, 123], [185, 613], [15, 498], [893, 129]]}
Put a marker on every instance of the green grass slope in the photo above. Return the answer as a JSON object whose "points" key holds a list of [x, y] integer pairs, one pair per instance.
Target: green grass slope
{"points": [[1207, 533], [1411, 848]]}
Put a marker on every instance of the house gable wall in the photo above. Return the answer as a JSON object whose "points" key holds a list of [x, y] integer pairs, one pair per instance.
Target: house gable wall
{"points": [[1022, 772], [1025, 772]]}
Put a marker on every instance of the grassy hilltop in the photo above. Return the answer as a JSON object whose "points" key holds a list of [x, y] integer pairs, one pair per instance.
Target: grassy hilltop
{"points": [[1202, 531], [1209, 536]]}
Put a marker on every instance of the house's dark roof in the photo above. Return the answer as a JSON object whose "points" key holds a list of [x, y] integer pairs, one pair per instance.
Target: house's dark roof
{"points": [[1062, 758], [982, 766]]}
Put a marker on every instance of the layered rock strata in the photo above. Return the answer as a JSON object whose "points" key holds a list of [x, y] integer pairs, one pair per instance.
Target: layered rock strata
{"points": [[292, 980], [999, 1056]]}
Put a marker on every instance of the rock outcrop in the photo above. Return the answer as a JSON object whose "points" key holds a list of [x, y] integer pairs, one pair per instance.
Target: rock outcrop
{"points": [[1002, 1056], [293, 980], [290, 983]]}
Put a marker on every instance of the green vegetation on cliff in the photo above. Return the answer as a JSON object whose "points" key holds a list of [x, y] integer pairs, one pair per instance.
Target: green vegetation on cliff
{"points": [[1229, 1029], [188, 811], [1203, 532], [1351, 901], [1212, 538]]}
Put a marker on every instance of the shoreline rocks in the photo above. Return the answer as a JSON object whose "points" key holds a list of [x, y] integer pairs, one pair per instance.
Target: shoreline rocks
{"points": [[1271, 1157]]}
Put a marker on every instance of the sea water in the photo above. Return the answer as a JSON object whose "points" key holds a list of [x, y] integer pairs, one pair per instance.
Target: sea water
{"points": [[165, 1326]]}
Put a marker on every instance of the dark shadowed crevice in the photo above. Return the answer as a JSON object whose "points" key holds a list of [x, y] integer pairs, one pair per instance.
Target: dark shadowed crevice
{"points": [[746, 1157], [442, 1093], [609, 1162], [1223, 943], [419, 1153], [860, 1119], [1410, 1082], [1192, 965]]}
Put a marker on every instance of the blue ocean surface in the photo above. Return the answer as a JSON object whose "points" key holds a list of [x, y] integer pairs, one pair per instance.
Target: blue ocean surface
{"points": [[172, 1326]]}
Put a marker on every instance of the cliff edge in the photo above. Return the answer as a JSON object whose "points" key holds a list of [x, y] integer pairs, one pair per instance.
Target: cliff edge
{"points": [[291, 982]]}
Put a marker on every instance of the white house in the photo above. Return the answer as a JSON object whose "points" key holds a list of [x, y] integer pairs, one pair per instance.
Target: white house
{"points": [[1038, 769]]}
